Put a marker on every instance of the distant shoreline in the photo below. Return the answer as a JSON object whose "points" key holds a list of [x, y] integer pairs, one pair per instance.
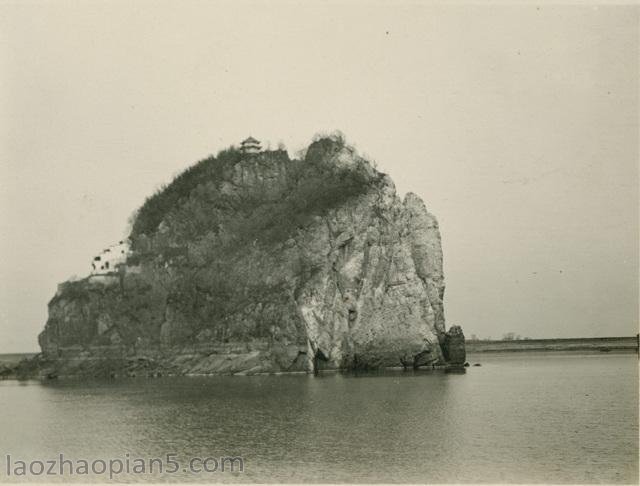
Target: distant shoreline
{"points": [[9, 359], [605, 344]]}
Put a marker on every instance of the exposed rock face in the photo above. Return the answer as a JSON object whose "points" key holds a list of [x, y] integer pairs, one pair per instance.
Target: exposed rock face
{"points": [[258, 263]]}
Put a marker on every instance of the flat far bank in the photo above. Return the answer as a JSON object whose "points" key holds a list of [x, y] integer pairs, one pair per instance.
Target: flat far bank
{"points": [[606, 344], [12, 359]]}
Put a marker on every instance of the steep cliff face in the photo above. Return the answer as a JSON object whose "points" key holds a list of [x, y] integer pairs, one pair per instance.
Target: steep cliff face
{"points": [[258, 263]]}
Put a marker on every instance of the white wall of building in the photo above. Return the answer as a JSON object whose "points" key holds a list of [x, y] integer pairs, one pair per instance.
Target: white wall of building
{"points": [[110, 258]]}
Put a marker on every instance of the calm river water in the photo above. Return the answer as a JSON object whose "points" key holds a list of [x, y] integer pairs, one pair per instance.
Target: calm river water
{"points": [[520, 417]]}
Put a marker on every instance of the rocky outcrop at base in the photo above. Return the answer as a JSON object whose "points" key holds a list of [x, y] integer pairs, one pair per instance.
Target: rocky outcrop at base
{"points": [[256, 263], [453, 346]]}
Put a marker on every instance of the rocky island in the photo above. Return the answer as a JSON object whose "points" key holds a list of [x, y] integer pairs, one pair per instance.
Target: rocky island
{"points": [[252, 262]]}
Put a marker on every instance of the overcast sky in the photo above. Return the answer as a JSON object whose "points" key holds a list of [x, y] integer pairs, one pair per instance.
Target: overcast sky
{"points": [[517, 125]]}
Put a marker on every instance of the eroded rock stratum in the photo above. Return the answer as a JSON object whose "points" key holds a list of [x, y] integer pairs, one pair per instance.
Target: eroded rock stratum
{"points": [[255, 262]]}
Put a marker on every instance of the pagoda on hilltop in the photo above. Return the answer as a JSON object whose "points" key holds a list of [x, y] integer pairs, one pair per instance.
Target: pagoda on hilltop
{"points": [[250, 146]]}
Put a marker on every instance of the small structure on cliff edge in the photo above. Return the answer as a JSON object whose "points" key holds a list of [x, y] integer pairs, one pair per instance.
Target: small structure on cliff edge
{"points": [[250, 146], [110, 259]]}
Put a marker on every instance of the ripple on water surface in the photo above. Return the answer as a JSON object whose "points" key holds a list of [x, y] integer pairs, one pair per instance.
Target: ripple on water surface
{"points": [[521, 417]]}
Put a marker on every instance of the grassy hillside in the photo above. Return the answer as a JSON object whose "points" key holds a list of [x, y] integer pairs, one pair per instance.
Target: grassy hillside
{"points": [[198, 204]]}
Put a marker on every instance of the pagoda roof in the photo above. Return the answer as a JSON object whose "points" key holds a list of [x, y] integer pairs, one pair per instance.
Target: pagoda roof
{"points": [[250, 140]]}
